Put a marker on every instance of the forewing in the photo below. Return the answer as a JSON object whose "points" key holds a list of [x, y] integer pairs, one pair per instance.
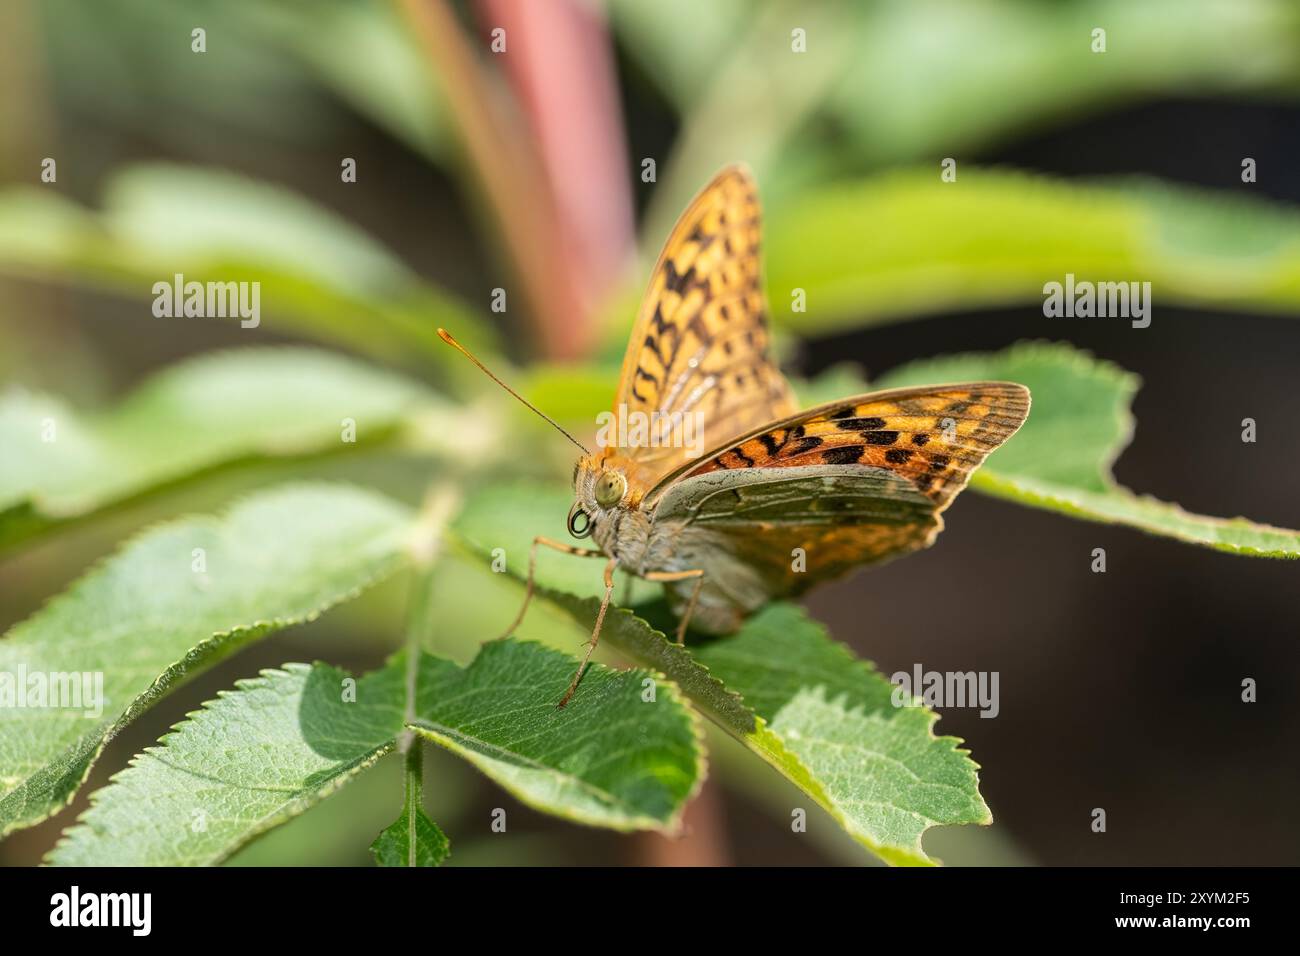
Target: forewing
{"points": [[700, 345], [932, 436]]}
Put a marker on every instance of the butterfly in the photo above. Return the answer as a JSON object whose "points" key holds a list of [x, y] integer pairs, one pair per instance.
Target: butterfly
{"points": [[781, 499]]}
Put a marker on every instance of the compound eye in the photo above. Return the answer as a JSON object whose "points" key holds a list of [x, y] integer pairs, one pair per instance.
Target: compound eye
{"points": [[579, 522], [610, 488]]}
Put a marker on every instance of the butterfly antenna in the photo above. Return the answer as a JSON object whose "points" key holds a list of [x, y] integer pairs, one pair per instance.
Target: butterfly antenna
{"points": [[447, 337]]}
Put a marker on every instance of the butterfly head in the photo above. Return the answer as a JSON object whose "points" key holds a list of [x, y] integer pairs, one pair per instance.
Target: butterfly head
{"points": [[600, 489]]}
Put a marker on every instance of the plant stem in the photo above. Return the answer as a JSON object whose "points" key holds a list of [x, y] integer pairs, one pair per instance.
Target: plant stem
{"points": [[510, 175], [561, 68], [418, 632], [440, 503], [414, 796], [426, 543]]}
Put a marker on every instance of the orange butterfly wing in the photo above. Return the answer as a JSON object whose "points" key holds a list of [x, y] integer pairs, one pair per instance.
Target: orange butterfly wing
{"points": [[700, 342], [853, 482], [934, 436]]}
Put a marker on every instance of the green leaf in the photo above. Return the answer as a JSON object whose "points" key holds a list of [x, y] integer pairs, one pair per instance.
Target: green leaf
{"points": [[1061, 459], [231, 407], [248, 761], [781, 686], [921, 84], [275, 745], [171, 602], [319, 275], [412, 840], [109, 67], [366, 57], [624, 754], [995, 238], [819, 716], [885, 774], [890, 83]]}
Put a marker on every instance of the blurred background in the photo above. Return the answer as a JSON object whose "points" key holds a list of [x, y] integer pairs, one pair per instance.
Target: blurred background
{"points": [[529, 169]]}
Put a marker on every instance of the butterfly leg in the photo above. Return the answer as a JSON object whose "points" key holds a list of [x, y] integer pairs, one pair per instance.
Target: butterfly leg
{"points": [[698, 574], [532, 566], [595, 634]]}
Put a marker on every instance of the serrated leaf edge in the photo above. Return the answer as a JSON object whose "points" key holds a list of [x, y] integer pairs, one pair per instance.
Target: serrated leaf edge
{"points": [[211, 650], [205, 709]]}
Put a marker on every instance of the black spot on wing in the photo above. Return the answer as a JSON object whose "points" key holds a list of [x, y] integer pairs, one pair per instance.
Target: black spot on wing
{"points": [[850, 424], [675, 280], [844, 455], [652, 343]]}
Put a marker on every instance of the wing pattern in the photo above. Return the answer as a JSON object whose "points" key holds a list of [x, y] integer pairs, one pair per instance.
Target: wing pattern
{"points": [[934, 436], [701, 344]]}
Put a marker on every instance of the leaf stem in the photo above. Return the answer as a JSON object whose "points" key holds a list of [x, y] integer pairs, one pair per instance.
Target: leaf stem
{"points": [[414, 799], [418, 628], [425, 545], [426, 542]]}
